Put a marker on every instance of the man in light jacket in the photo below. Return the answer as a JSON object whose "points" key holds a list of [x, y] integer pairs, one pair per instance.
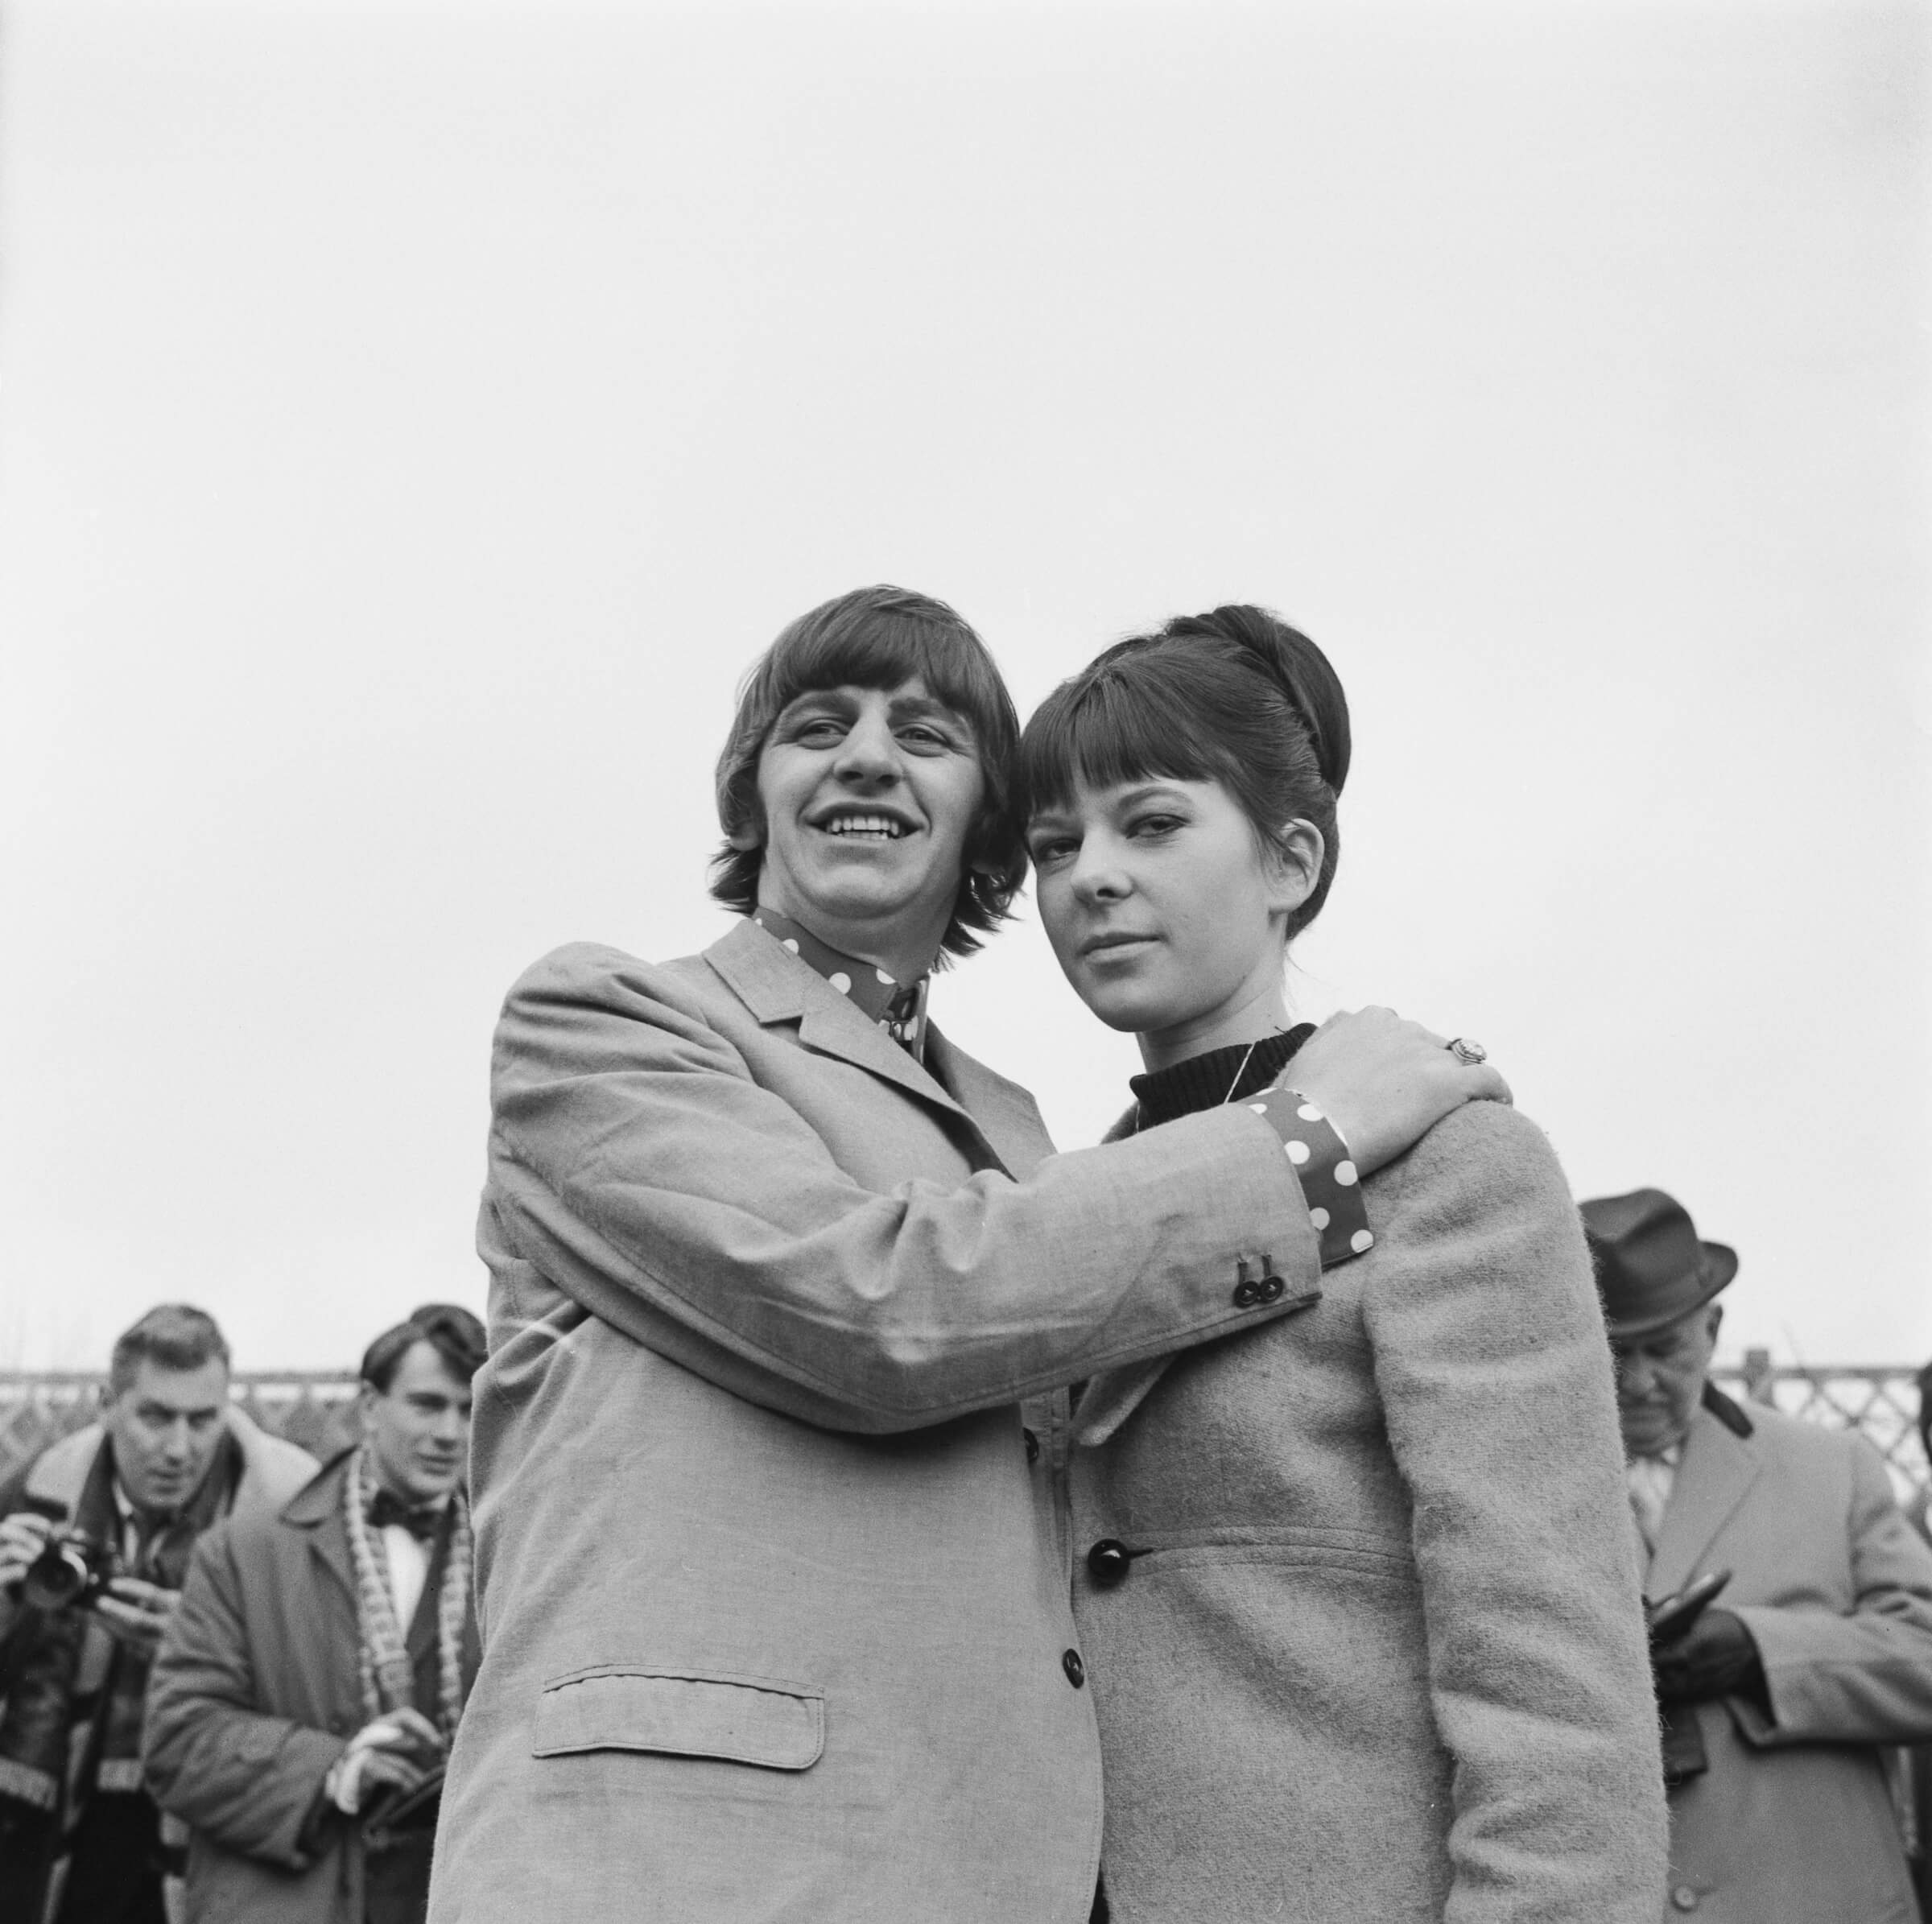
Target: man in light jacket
{"points": [[111, 1514], [305, 1694], [773, 1586], [1779, 1697]]}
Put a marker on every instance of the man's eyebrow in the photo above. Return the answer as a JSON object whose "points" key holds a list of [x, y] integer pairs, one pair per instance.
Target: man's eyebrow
{"points": [[839, 698], [916, 708]]}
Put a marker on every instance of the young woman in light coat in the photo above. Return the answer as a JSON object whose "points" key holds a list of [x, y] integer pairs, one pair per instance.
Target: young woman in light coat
{"points": [[1357, 1590]]}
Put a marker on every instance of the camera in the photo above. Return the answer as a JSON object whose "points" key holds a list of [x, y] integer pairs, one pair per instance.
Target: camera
{"points": [[69, 1573]]}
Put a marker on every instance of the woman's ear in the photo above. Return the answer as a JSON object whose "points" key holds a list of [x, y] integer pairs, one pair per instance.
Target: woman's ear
{"points": [[1295, 866]]}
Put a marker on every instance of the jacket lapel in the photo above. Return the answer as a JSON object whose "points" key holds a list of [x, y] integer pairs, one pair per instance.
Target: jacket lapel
{"points": [[317, 1510], [778, 987], [1717, 1470], [1008, 1118]]}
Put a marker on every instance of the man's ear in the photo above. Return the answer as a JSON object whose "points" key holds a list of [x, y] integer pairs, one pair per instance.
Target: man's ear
{"points": [[1717, 1317], [366, 1404]]}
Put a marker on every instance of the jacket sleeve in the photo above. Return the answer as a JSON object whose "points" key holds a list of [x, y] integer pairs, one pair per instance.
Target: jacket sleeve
{"points": [[637, 1166], [1496, 1381], [248, 1780], [1861, 1676]]}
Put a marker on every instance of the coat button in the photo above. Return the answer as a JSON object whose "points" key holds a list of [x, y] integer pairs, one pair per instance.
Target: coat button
{"points": [[1684, 1897], [1077, 1671], [1247, 1293], [1033, 1445], [1274, 1288], [1108, 1562]]}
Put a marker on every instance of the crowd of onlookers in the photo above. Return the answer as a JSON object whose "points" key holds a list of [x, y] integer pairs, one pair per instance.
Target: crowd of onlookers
{"points": [[229, 1675], [229, 1670]]}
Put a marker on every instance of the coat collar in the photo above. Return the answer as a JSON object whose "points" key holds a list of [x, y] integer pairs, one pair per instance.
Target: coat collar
{"points": [[778, 987], [315, 1510], [1718, 1470]]}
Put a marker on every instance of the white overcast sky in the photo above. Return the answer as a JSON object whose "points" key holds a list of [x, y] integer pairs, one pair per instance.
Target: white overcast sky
{"points": [[413, 419]]}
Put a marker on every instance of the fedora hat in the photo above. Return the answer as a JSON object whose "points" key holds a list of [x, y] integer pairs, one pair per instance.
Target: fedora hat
{"points": [[1651, 1266]]}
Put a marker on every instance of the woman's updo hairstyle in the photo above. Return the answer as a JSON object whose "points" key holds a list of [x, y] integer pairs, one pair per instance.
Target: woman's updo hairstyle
{"points": [[1235, 696]]}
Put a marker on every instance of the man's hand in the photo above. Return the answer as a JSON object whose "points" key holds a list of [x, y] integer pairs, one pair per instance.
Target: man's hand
{"points": [[1717, 1656], [1385, 1083], [22, 1536], [138, 1613], [396, 1751]]}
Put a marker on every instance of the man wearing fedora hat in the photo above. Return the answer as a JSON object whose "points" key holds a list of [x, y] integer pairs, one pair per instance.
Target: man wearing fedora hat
{"points": [[1816, 1651]]}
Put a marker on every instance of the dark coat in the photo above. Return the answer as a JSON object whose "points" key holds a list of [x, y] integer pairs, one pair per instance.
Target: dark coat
{"points": [[255, 1695], [71, 1476]]}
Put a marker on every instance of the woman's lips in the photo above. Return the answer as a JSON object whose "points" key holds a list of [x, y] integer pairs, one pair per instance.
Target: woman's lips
{"points": [[1107, 948]]}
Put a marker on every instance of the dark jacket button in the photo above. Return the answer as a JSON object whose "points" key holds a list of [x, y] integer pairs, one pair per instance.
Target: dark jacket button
{"points": [[1108, 1561], [1033, 1445], [1274, 1288], [1247, 1293], [1077, 1671]]}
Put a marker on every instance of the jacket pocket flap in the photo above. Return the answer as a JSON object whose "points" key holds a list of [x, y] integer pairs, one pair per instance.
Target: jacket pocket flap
{"points": [[745, 1719]]}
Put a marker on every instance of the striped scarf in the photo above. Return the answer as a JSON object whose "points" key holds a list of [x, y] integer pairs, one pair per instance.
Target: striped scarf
{"points": [[382, 1656]]}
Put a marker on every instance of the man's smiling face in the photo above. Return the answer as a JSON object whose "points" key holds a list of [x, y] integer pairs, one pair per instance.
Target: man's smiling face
{"points": [[869, 796]]}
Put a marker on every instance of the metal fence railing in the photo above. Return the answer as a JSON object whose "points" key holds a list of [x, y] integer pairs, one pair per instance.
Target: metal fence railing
{"points": [[1878, 1400], [313, 1407]]}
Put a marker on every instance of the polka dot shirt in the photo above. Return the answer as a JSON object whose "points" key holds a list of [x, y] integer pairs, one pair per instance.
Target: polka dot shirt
{"points": [[898, 1008]]}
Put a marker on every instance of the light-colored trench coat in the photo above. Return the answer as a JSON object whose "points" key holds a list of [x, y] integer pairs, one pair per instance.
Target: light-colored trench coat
{"points": [[1792, 1823], [1379, 1653], [775, 1611]]}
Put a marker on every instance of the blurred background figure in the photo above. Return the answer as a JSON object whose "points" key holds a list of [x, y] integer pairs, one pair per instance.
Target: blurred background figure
{"points": [[95, 1537], [1781, 1694], [307, 1692]]}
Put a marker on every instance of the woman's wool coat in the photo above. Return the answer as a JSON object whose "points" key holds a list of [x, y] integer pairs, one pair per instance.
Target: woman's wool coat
{"points": [[1378, 1654]]}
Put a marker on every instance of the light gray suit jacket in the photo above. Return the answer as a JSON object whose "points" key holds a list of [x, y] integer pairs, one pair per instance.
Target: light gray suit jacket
{"points": [[1792, 1823], [774, 1603], [1379, 1653]]}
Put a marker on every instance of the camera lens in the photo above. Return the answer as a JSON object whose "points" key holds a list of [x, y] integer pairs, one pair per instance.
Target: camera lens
{"points": [[56, 1577]]}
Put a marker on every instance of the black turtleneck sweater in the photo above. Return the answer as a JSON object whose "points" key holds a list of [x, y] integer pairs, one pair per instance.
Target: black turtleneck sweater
{"points": [[1205, 1082], [1330, 1184]]}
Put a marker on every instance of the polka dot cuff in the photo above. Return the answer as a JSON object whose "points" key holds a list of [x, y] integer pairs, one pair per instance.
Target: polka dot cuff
{"points": [[1330, 1185]]}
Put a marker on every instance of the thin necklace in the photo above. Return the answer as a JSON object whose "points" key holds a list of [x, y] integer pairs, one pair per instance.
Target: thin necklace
{"points": [[1231, 1087]]}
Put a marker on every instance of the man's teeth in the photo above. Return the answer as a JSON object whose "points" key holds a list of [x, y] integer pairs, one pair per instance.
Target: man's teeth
{"points": [[864, 824]]}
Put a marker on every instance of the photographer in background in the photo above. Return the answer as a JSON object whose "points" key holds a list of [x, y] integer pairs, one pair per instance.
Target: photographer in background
{"points": [[95, 1536], [308, 1686]]}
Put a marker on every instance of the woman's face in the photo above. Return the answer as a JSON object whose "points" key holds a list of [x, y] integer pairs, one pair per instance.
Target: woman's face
{"points": [[1165, 912]]}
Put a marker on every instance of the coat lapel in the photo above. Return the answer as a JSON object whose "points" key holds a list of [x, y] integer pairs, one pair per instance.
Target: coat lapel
{"points": [[778, 987], [1717, 1470], [317, 1510], [1008, 1118]]}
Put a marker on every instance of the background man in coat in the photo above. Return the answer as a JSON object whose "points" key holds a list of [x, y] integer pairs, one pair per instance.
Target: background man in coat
{"points": [[80, 1840], [1818, 1649], [776, 1586], [305, 1694]]}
